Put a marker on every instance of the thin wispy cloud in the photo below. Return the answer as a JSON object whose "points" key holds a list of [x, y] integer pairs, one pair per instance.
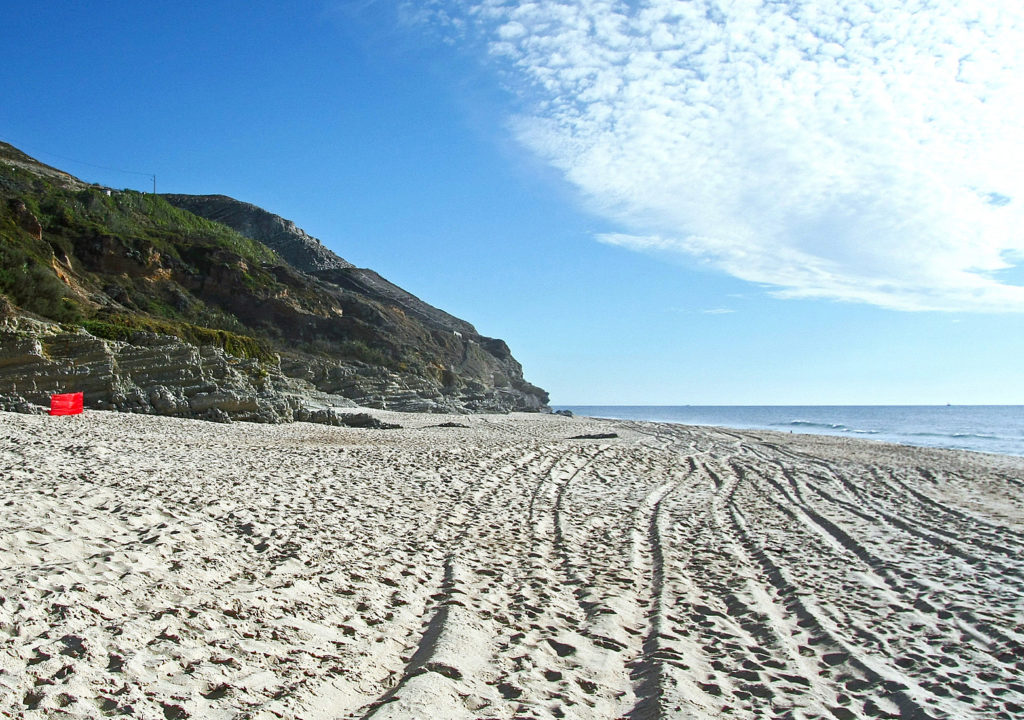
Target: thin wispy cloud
{"points": [[859, 151]]}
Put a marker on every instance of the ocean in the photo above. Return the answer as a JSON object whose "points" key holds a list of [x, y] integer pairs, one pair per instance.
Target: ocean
{"points": [[983, 428]]}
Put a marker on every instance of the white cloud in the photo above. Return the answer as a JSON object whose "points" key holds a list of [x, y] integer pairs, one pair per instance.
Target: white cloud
{"points": [[861, 150]]}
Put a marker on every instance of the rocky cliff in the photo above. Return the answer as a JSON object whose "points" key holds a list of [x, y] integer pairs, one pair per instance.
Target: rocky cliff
{"points": [[298, 249], [208, 306], [308, 254]]}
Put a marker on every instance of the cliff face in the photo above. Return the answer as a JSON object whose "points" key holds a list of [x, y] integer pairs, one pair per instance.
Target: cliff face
{"points": [[193, 305], [308, 254], [150, 373], [295, 247]]}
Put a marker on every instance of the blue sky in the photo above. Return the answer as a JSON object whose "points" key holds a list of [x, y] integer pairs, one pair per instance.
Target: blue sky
{"points": [[652, 202]]}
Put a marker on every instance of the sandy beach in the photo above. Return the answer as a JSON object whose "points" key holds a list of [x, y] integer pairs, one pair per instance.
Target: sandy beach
{"points": [[161, 568]]}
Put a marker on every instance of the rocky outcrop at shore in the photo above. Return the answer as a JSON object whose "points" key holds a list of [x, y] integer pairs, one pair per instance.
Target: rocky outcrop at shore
{"points": [[206, 306], [159, 374], [152, 374]]}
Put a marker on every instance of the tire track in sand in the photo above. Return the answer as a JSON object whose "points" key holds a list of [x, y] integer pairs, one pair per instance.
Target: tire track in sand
{"points": [[911, 691]]}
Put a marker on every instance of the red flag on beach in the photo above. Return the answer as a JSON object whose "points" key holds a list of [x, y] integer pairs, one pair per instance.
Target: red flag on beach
{"points": [[66, 404]]}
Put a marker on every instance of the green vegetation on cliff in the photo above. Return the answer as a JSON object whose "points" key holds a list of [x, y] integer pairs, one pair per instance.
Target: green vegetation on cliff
{"points": [[33, 286], [118, 263], [63, 247], [122, 327]]}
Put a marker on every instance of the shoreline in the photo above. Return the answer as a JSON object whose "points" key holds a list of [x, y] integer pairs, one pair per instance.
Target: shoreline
{"points": [[992, 429], [179, 568]]}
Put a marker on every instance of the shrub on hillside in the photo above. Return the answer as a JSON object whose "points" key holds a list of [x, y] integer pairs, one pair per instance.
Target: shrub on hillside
{"points": [[33, 287]]}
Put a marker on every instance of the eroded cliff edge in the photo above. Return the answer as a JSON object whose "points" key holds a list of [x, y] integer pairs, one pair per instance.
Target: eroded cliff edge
{"points": [[208, 306]]}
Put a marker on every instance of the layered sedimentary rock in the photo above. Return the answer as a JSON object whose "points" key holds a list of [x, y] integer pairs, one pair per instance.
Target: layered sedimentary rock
{"points": [[183, 305], [151, 373]]}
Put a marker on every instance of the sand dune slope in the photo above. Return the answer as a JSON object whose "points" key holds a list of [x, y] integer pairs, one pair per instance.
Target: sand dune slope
{"points": [[161, 568]]}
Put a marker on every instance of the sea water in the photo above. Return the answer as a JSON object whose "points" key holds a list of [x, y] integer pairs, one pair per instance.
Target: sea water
{"points": [[983, 428]]}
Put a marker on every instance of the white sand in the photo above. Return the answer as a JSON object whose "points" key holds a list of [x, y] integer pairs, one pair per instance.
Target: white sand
{"points": [[162, 568]]}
